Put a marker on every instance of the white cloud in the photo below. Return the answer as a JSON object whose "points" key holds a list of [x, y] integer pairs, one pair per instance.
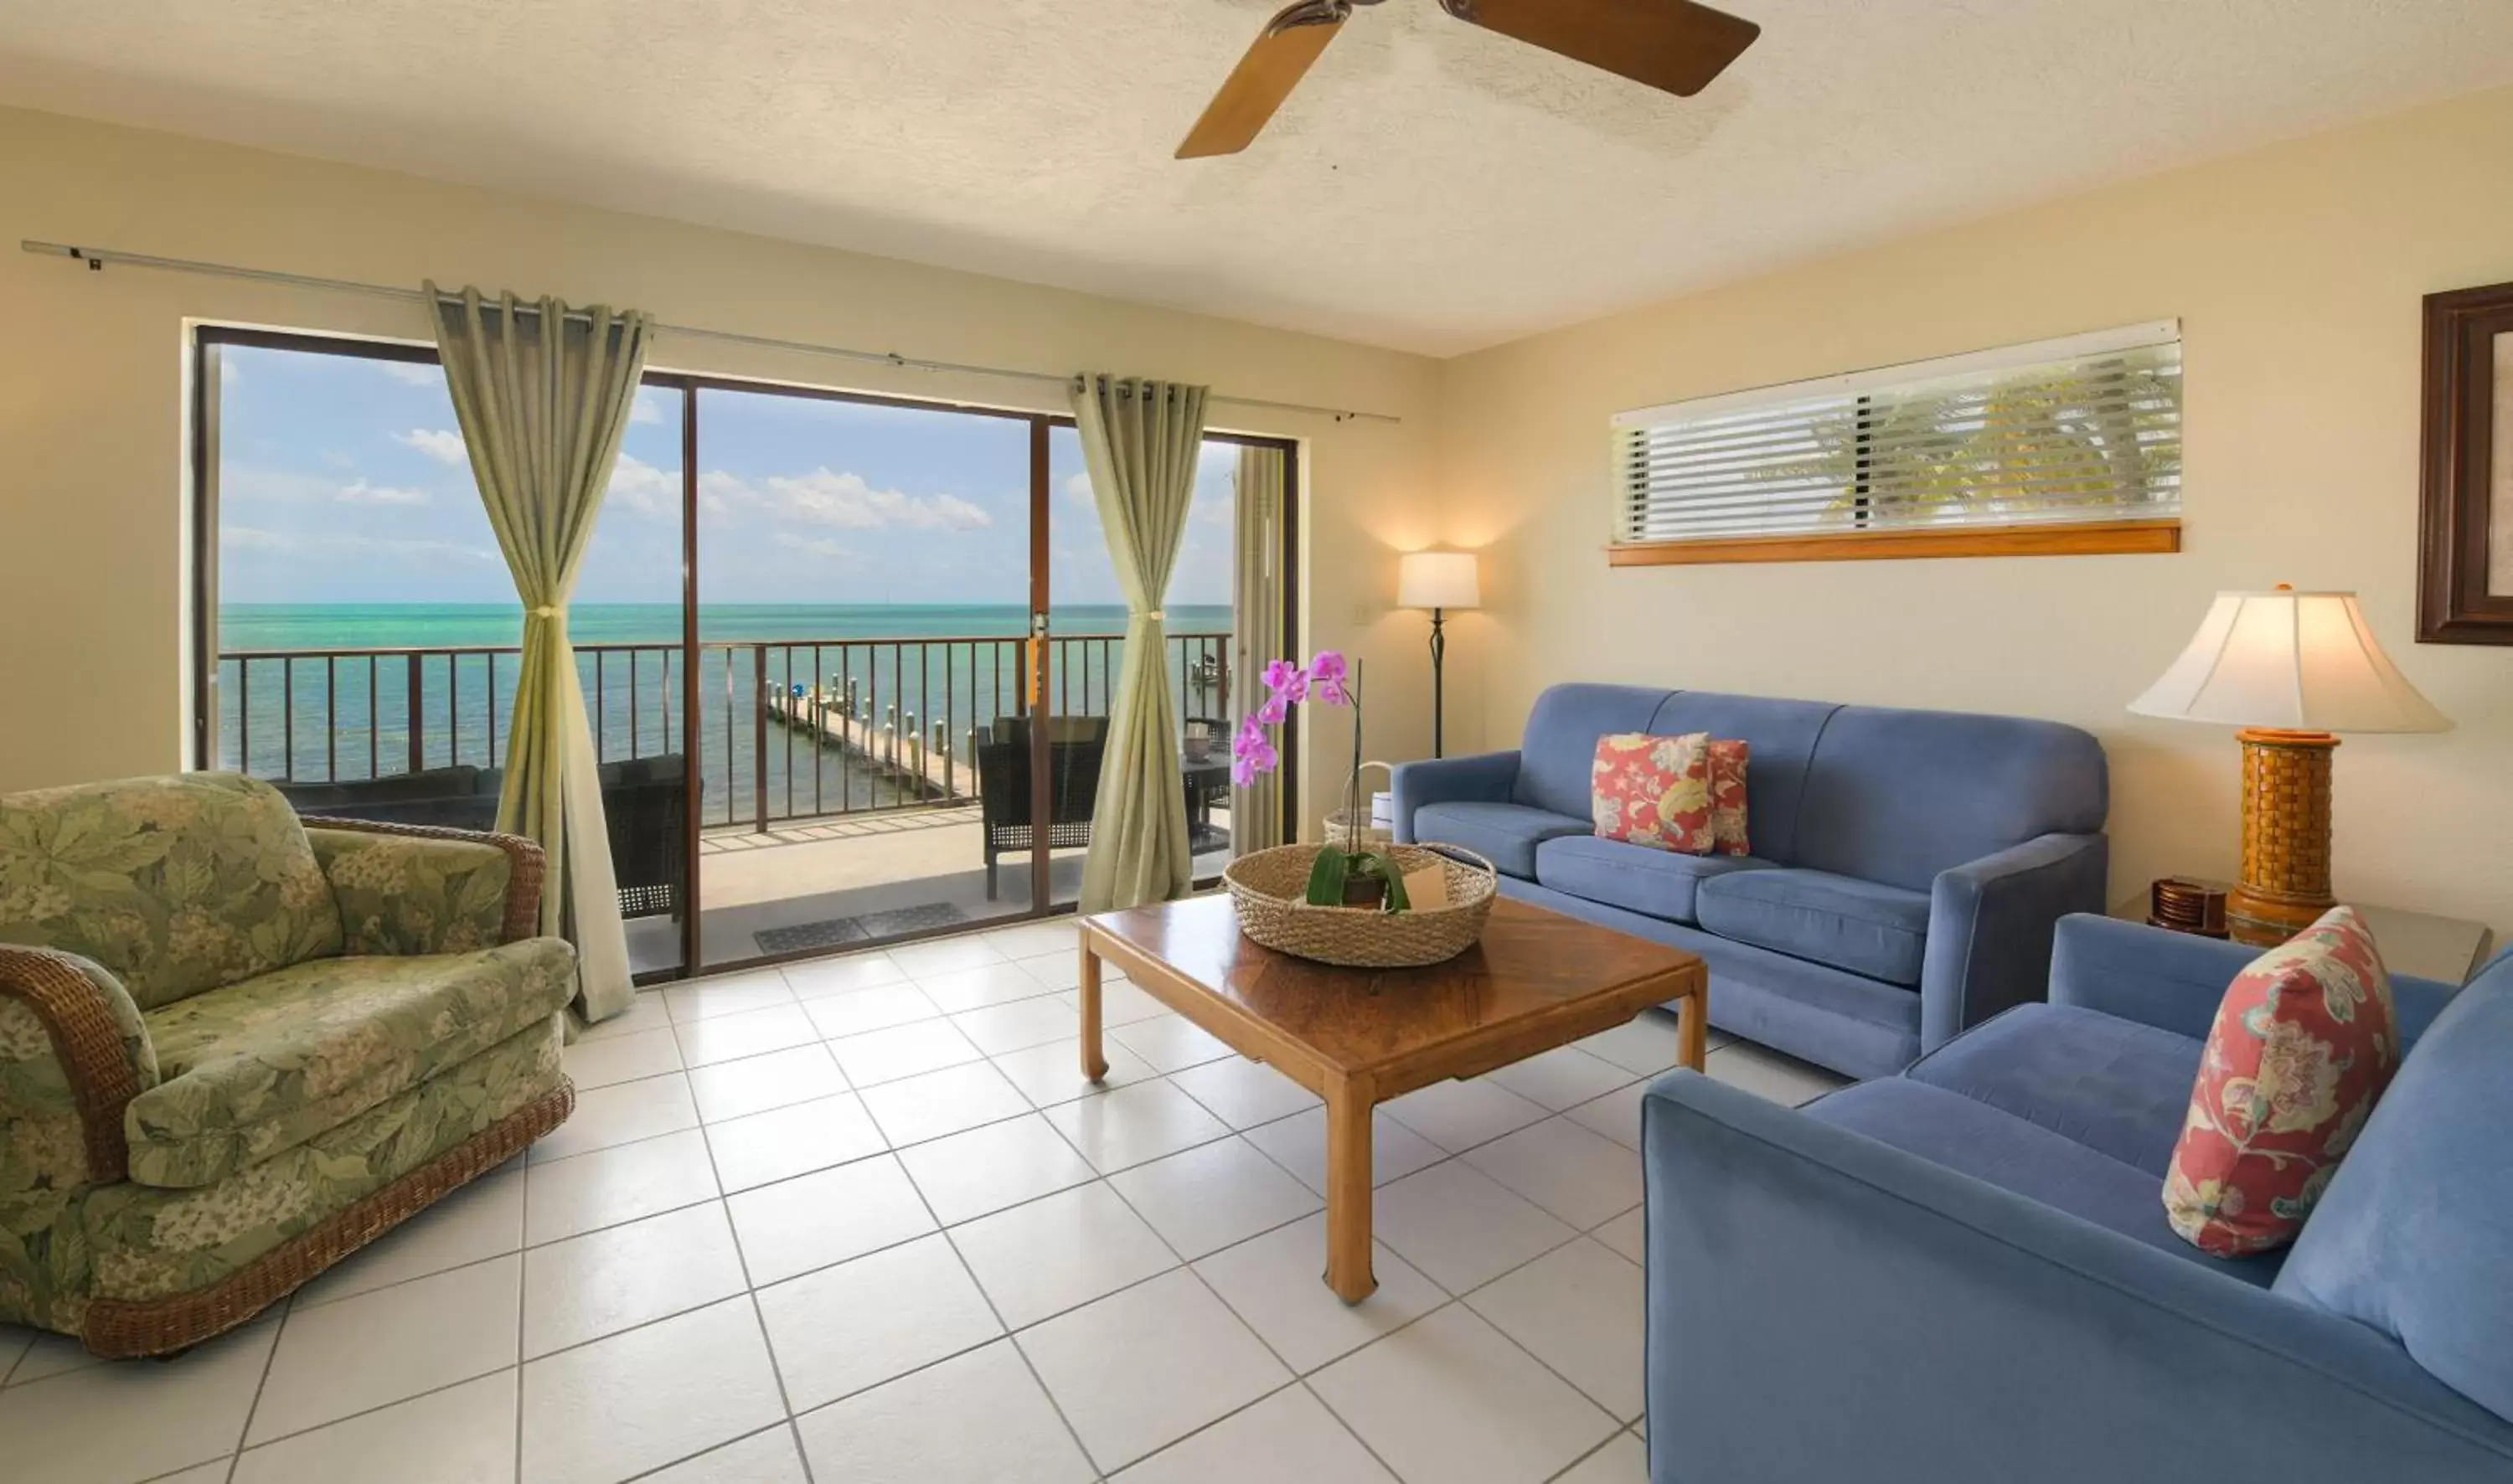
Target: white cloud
{"points": [[719, 493], [820, 548], [643, 488], [412, 372], [443, 444], [1077, 489], [648, 408], [363, 493], [335, 543], [252, 485], [845, 501]]}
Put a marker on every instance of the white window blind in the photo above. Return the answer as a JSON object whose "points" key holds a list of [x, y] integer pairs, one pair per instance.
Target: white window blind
{"points": [[2072, 431]]}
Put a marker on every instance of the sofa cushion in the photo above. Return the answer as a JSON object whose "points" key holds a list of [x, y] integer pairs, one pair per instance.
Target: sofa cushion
{"points": [[1504, 833], [1657, 884], [149, 1242], [1899, 796], [2415, 1235], [251, 1068], [1866, 927], [1561, 741], [1857, 1026], [175, 884], [413, 893], [2111, 1084], [1972, 1138], [1652, 791], [2303, 1045]]}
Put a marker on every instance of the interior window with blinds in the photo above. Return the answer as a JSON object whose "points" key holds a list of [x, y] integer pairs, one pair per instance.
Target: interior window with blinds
{"points": [[2056, 437]]}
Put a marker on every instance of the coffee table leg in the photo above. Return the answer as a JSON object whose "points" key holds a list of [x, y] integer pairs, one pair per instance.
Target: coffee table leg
{"points": [[1693, 1030], [1094, 1061], [1348, 1109]]}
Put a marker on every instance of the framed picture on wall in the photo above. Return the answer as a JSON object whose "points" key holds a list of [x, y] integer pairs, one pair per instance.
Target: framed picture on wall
{"points": [[2465, 536]]}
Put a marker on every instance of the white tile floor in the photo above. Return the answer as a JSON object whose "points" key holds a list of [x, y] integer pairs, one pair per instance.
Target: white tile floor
{"points": [[863, 1219]]}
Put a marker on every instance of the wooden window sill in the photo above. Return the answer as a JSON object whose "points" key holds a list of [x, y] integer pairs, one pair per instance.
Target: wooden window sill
{"points": [[2102, 538]]}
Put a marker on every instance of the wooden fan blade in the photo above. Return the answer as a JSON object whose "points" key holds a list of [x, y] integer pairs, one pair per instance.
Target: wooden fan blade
{"points": [[1264, 78], [1672, 45]]}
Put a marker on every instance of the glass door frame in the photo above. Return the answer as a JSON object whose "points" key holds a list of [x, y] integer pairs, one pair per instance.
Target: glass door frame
{"points": [[1038, 647], [202, 643]]}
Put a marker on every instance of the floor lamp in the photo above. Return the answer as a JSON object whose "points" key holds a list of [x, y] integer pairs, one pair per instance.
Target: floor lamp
{"points": [[1437, 580]]}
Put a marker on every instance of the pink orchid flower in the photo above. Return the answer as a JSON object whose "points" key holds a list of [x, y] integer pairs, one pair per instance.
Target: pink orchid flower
{"points": [[1327, 675]]}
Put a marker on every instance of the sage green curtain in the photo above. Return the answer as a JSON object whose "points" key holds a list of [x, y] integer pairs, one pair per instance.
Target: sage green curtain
{"points": [[1257, 596], [542, 395], [1140, 441]]}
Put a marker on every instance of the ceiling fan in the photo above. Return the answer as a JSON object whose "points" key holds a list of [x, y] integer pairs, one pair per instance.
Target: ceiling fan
{"points": [[1672, 45]]}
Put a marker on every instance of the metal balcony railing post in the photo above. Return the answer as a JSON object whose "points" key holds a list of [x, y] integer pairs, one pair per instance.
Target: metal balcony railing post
{"points": [[758, 738], [414, 703]]}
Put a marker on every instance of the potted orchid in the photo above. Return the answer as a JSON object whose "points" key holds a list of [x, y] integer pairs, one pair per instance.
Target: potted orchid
{"points": [[1342, 876]]}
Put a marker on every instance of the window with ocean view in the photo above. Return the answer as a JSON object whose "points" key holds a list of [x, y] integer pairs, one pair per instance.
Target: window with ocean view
{"points": [[816, 658]]}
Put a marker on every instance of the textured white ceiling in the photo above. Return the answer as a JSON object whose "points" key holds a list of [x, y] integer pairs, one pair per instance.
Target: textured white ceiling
{"points": [[1432, 187]]}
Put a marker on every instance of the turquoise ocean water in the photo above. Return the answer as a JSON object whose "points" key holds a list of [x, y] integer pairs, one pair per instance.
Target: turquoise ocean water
{"points": [[331, 691]]}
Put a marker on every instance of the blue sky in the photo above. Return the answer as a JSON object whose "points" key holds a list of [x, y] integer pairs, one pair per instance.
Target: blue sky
{"points": [[343, 480]]}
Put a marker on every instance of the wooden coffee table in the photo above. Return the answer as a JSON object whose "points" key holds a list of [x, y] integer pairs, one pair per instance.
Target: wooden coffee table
{"points": [[1358, 1037]]}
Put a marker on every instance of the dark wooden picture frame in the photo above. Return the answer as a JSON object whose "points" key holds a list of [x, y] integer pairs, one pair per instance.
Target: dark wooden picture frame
{"points": [[2455, 602]]}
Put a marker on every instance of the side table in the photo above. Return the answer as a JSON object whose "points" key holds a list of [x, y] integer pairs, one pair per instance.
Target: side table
{"points": [[2415, 943]]}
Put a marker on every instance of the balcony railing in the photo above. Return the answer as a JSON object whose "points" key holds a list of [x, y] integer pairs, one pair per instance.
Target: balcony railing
{"points": [[787, 729]]}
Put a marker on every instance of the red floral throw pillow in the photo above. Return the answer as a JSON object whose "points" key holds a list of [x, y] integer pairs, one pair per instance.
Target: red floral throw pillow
{"points": [[1727, 761], [2304, 1042], [1654, 791]]}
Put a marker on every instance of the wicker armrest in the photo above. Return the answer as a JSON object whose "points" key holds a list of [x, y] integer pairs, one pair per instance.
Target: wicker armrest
{"points": [[523, 917], [98, 1040]]}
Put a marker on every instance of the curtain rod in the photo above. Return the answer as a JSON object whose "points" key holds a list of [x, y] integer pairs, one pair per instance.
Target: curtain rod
{"points": [[97, 257]]}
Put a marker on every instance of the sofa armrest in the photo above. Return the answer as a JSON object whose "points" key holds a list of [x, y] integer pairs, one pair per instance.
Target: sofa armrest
{"points": [[423, 889], [71, 1046], [1990, 923], [2173, 981], [1480, 778], [1823, 1306]]}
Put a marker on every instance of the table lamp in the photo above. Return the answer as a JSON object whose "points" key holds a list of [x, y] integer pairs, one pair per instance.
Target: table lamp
{"points": [[2290, 669], [1438, 580]]}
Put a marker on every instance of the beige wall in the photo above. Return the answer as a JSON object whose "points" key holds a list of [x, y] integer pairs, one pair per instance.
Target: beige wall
{"points": [[2296, 272], [92, 539]]}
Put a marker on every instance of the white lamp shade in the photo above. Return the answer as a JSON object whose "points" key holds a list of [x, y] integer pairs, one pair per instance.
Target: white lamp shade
{"points": [[1437, 579], [2294, 661]]}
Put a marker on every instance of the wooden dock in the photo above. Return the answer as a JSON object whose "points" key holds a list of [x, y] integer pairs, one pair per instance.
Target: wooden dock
{"points": [[905, 755]]}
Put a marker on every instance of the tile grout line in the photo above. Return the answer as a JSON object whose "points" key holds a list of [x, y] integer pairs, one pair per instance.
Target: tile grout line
{"points": [[1450, 1298], [523, 1299], [235, 1456], [1103, 1178], [1009, 1335], [1563, 1471]]}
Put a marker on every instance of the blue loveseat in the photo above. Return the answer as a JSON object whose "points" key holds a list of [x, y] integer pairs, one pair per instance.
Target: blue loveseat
{"points": [[1964, 1276], [1907, 866]]}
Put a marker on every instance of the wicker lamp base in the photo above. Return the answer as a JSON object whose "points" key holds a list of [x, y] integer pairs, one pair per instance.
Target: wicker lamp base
{"points": [[2284, 885]]}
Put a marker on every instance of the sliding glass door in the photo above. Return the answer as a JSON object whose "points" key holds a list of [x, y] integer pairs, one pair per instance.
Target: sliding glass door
{"points": [[847, 660], [864, 605]]}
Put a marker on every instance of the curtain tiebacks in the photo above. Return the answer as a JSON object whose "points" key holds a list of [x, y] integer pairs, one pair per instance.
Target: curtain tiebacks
{"points": [[1155, 615], [544, 612]]}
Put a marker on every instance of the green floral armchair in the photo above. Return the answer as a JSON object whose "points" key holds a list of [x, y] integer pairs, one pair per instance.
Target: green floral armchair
{"points": [[236, 1046]]}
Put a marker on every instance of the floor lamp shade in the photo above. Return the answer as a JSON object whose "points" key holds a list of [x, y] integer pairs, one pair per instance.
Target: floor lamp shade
{"points": [[2290, 669], [1438, 580]]}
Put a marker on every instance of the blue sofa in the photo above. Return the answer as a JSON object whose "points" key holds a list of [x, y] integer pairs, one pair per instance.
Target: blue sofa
{"points": [[1907, 864], [1964, 1276]]}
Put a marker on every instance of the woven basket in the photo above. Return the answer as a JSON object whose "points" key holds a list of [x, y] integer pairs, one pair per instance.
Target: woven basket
{"points": [[1270, 887]]}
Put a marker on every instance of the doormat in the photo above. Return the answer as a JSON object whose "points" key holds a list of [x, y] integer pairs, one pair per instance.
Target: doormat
{"points": [[839, 932]]}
